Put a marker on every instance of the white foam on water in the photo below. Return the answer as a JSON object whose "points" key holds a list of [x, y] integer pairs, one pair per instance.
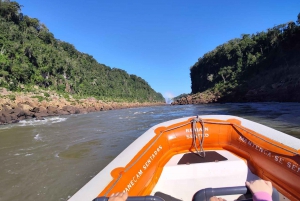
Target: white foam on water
{"points": [[11, 172], [37, 137], [57, 119], [28, 154], [78, 140], [141, 112], [28, 149], [34, 122], [7, 126]]}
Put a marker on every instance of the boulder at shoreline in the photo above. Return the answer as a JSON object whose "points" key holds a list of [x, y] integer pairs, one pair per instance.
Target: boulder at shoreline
{"points": [[15, 107]]}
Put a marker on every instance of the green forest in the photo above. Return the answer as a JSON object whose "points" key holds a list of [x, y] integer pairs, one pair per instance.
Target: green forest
{"points": [[251, 61], [31, 56]]}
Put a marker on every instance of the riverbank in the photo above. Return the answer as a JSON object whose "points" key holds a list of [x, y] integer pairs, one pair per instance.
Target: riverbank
{"points": [[17, 106]]}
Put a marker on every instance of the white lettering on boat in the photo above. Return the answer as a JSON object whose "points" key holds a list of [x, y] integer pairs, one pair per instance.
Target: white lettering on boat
{"points": [[278, 159], [189, 130], [148, 162], [190, 136], [256, 147], [140, 172], [133, 180], [293, 167]]}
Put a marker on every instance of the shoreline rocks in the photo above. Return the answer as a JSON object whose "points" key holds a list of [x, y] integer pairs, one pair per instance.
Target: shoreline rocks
{"points": [[274, 92], [15, 107]]}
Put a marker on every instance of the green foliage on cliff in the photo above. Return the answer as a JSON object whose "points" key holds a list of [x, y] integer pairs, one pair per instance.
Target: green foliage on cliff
{"points": [[30, 55], [230, 66]]}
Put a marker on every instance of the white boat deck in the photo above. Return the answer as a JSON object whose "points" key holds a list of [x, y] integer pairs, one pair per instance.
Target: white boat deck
{"points": [[183, 181]]}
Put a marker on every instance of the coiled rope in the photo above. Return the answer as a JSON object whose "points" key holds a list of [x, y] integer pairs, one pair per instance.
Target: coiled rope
{"points": [[196, 135]]}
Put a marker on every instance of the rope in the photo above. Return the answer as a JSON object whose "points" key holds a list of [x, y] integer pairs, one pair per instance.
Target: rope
{"points": [[196, 136]]}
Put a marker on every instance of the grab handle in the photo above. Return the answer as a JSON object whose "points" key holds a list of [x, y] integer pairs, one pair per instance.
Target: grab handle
{"points": [[207, 193]]}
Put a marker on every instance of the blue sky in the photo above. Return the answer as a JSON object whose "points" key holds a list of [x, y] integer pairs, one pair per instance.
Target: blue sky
{"points": [[158, 40]]}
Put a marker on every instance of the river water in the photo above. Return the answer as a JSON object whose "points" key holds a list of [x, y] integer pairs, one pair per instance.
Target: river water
{"points": [[50, 160]]}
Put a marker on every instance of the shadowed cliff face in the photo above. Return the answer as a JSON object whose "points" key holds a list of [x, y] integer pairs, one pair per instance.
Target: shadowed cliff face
{"points": [[19, 106], [279, 85]]}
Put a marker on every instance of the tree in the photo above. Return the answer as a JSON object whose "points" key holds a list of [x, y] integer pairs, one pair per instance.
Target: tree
{"points": [[10, 10], [225, 72]]}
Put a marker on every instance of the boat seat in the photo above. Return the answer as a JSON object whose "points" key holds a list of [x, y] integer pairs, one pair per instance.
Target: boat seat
{"points": [[181, 181]]}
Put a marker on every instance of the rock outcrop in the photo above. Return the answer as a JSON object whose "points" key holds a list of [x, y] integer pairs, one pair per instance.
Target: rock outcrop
{"points": [[199, 98]]}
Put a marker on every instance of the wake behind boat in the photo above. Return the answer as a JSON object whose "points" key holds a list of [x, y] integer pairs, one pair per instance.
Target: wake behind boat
{"points": [[175, 159]]}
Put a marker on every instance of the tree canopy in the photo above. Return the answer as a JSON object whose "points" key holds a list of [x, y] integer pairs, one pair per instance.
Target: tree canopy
{"points": [[31, 55], [229, 67]]}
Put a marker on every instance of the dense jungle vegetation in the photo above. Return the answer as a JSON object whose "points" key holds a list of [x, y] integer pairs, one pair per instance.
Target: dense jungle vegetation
{"points": [[31, 56], [233, 67]]}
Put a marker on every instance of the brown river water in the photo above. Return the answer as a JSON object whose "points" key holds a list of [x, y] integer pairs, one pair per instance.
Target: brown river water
{"points": [[50, 160]]}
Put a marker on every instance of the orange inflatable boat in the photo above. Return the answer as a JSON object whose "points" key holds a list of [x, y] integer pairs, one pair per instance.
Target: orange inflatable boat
{"points": [[182, 158]]}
